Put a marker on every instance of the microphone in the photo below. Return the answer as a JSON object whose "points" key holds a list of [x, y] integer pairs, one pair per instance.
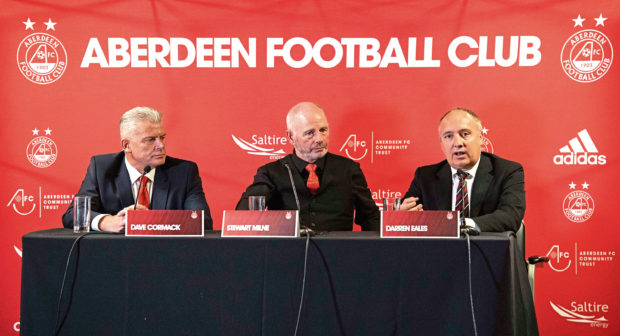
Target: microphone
{"points": [[304, 231], [147, 169], [290, 175]]}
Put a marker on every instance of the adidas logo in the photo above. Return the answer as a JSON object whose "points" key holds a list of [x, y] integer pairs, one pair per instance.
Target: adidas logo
{"points": [[580, 151]]}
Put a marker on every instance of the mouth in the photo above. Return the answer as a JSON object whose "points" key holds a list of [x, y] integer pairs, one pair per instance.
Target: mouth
{"points": [[459, 154]]}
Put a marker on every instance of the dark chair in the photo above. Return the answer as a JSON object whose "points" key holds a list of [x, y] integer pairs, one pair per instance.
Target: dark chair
{"points": [[533, 261]]}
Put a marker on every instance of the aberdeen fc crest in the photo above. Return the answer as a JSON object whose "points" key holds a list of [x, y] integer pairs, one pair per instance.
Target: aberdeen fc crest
{"points": [[41, 58], [587, 54], [578, 204], [41, 151]]}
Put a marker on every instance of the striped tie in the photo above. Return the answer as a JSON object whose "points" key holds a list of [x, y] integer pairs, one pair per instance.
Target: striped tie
{"points": [[462, 198]]}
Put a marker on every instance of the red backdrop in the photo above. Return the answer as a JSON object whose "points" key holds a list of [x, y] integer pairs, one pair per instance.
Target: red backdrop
{"points": [[538, 73]]}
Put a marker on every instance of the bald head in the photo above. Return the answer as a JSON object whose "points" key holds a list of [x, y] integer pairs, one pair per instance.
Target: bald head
{"points": [[301, 109], [308, 131]]}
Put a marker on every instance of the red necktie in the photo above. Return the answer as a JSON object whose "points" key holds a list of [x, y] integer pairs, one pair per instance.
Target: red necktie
{"points": [[462, 197], [313, 179], [143, 193]]}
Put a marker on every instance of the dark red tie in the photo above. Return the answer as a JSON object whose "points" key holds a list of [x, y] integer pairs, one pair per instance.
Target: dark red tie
{"points": [[313, 179], [461, 203], [143, 193]]}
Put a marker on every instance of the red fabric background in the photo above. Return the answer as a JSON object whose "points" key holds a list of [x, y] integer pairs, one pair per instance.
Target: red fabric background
{"points": [[530, 113]]}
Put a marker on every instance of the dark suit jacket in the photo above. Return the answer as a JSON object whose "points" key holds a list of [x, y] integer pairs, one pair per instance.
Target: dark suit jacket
{"points": [[177, 186], [497, 199], [342, 190]]}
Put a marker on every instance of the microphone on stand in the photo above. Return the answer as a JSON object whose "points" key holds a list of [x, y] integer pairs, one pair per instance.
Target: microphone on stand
{"points": [[147, 169], [304, 231]]}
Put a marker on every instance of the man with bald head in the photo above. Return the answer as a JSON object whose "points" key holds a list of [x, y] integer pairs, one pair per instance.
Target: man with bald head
{"points": [[330, 188], [116, 184], [493, 195]]}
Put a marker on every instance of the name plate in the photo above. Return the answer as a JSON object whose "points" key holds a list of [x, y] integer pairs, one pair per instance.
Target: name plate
{"points": [[259, 224], [420, 224], [167, 223]]}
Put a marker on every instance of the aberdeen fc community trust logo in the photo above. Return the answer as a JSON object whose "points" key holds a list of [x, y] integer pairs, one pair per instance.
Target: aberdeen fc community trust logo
{"points": [[578, 258], [41, 151], [578, 204], [41, 58], [587, 54], [358, 147]]}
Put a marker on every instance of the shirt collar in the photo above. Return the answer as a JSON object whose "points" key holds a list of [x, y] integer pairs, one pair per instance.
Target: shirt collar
{"points": [[134, 174], [301, 164], [471, 172]]}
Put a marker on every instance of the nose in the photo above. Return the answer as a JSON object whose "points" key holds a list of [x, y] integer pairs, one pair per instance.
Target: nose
{"points": [[458, 141], [159, 143]]}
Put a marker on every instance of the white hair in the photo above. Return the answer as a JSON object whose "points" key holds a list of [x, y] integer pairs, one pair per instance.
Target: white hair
{"points": [[140, 113]]}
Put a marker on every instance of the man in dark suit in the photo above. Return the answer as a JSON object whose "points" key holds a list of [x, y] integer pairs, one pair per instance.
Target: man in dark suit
{"points": [[495, 186], [114, 180], [328, 188]]}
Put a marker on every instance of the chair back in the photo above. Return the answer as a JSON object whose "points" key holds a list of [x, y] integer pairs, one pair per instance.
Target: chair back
{"points": [[521, 239]]}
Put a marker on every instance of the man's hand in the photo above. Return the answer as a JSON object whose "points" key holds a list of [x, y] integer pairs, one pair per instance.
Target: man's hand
{"points": [[410, 204], [116, 223]]}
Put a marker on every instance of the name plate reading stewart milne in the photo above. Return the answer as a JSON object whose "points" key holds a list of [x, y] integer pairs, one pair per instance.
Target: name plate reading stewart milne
{"points": [[177, 223], [420, 224], [260, 224]]}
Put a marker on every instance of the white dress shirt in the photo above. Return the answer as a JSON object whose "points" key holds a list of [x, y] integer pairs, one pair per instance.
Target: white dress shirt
{"points": [[134, 177], [470, 182]]}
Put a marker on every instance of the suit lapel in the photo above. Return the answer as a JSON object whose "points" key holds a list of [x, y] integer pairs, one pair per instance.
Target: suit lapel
{"points": [[482, 181], [444, 187], [123, 186], [161, 185]]}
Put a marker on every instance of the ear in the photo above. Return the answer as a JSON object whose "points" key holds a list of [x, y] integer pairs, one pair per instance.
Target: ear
{"points": [[289, 135], [125, 145]]}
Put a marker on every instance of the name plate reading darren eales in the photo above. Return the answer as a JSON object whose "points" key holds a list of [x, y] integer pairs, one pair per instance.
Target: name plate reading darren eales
{"points": [[260, 224], [167, 223], [420, 224]]}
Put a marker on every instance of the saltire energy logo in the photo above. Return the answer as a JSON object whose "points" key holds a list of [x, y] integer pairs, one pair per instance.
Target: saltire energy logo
{"points": [[253, 147], [585, 312]]}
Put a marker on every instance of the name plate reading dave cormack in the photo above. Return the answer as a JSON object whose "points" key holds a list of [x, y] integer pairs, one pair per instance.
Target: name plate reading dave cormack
{"points": [[167, 223], [420, 224], [260, 224]]}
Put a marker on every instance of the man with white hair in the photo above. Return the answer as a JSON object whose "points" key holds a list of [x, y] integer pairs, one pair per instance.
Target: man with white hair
{"points": [[329, 188], [115, 182], [488, 191]]}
